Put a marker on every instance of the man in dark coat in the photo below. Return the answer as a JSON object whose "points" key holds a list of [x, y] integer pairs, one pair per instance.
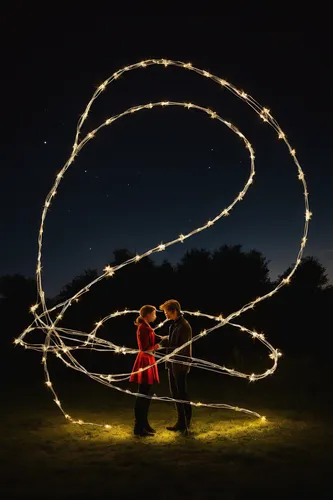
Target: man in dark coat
{"points": [[180, 332]]}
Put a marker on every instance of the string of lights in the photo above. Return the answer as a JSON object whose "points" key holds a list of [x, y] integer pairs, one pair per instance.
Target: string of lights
{"points": [[63, 342]]}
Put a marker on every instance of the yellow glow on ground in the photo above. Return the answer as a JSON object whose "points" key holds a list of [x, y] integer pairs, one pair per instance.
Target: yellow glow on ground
{"points": [[200, 431]]}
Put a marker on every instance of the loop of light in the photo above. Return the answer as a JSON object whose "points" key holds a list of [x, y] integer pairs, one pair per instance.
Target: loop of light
{"points": [[56, 337]]}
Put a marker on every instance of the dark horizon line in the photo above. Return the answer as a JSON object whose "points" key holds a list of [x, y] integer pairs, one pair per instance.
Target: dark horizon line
{"points": [[174, 264]]}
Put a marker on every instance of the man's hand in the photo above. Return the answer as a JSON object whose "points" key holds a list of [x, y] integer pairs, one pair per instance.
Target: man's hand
{"points": [[163, 339]]}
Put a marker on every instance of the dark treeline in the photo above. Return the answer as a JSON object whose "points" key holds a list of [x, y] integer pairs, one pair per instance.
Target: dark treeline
{"points": [[295, 320]]}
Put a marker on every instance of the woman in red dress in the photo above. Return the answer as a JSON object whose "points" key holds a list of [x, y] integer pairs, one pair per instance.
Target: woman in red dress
{"points": [[143, 376]]}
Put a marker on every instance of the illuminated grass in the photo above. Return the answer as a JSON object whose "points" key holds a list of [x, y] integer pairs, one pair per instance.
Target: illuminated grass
{"points": [[226, 453]]}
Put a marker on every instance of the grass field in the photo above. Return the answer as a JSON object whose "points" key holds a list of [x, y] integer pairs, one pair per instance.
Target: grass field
{"points": [[227, 455]]}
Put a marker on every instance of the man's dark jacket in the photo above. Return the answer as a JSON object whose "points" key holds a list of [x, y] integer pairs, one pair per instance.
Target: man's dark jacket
{"points": [[180, 331]]}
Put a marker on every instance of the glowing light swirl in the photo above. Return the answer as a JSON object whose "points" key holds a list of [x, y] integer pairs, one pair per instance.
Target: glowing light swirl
{"points": [[56, 337]]}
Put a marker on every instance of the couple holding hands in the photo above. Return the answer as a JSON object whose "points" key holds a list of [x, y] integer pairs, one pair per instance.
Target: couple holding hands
{"points": [[179, 332]]}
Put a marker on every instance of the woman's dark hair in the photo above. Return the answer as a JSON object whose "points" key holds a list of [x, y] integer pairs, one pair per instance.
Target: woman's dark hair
{"points": [[143, 313]]}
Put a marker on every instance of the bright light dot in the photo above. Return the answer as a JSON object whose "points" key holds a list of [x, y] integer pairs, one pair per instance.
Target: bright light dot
{"points": [[45, 142]]}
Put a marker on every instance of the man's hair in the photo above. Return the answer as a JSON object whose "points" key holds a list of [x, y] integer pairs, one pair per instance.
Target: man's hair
{"points": [[170, 305]]}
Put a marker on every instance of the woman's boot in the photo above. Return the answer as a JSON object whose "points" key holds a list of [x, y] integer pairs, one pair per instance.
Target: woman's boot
{"points": [[146, 405], [140, 415]]}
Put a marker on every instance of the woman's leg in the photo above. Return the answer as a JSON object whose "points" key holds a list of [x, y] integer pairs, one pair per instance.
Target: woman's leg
{"points": [[138, 411], [141, 407], [147, 390]]}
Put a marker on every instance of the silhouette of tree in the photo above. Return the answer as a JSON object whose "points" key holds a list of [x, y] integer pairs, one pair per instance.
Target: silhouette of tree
{"points": [[242, 275], [120, 256], [132, 285], [299, 312], [76, 284], [217, 282], [194, 259], [194, 279], [309, 276], [18, 288], [164, 283], [18, 294]]}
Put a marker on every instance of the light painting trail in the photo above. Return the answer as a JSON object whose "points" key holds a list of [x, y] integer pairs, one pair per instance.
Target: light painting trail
{"points": [[56, 336]]}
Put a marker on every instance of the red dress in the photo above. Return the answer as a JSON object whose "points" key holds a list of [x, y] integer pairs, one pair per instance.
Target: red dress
{"points": [[146, 342]]}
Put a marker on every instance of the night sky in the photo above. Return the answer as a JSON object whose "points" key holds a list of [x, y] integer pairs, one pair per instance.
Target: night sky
{"points": [[156, 174]]}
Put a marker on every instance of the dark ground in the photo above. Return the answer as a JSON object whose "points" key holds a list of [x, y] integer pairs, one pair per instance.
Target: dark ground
{"points": [[228, 454]]}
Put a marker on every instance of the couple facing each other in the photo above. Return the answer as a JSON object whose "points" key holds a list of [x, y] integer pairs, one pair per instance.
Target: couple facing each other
{"points": [[180, 332]]}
